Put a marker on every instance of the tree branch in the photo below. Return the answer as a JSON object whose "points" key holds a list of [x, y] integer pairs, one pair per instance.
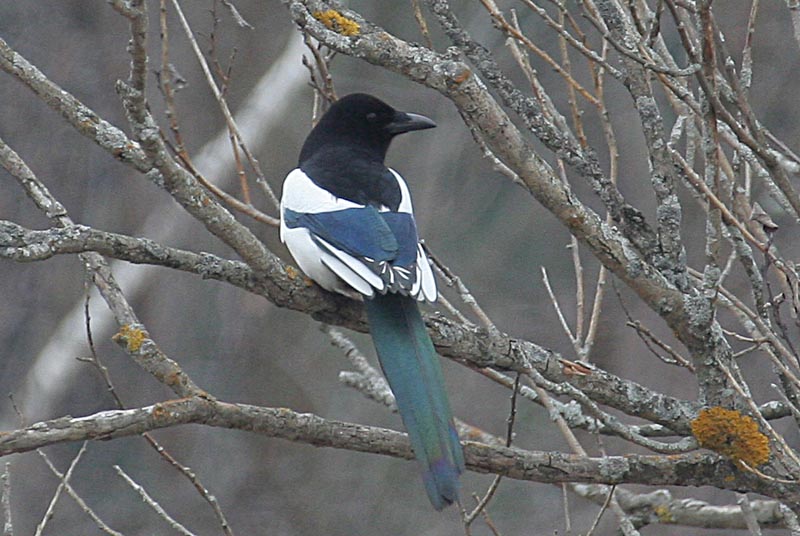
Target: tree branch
{"points": [[683, 470]]}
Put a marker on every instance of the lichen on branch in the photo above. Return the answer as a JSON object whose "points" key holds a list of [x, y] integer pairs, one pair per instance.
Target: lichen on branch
{"points": [[335, 21], [731, 434]]}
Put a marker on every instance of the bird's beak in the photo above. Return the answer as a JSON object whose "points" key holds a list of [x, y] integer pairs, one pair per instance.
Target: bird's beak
{"points": [[406, 122]]}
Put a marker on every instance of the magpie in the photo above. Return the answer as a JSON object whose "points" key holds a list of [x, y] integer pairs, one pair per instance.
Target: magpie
{"points": [[347, 220]]}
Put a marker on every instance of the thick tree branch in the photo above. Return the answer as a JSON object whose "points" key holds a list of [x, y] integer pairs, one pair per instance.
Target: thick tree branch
{"points": [[684, 470]]}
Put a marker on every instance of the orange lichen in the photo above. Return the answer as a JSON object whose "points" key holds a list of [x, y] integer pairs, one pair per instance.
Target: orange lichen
{"points": [[731, 434], [291, 272], [335, 21], [159, 412], [462, 76], [131, 336]]}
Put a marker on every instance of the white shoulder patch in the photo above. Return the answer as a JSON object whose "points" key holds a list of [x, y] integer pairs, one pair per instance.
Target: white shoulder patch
{"points": [[302, 195]]}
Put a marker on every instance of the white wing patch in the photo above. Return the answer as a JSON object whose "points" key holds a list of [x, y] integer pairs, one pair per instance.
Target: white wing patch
{"points": [[425, 275], [349, 276], [356, 266]]}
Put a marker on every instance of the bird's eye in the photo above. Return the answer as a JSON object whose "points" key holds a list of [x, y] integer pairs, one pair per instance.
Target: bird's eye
{"points": [[372, 116]]}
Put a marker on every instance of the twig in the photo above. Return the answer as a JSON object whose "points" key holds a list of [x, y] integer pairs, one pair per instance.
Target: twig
{"points": [[565, 505], [643, 56], [608, 420], [423, 25], [165, 77], [48, 514], [369, 381], [747, 51], [649, 337], [494, 11], [512, 415], [613, 171], [225, 77], [497, 164], [590, 55], [577, 267], [224, 105], [157, 508], [320, 78], [452, 309], [78, 499], [242, 206], [603, 508], [577, 448], [554, 301], [572, 99], [236, 15], [522, 58], [463, 291]]}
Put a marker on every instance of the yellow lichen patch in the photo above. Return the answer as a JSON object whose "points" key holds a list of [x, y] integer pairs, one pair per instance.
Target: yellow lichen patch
{"points": [[731, 434], [333, 20], [291, 272], [132, 337], [664, 514]]}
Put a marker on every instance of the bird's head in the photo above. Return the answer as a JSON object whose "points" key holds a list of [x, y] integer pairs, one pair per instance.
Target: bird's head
{"points": [[363, 121]]}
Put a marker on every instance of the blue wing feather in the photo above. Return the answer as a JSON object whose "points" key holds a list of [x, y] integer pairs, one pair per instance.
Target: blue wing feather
{"points": [[404, 230], [363, 232]]}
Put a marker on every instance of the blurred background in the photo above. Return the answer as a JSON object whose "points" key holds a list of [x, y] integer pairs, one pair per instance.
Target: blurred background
{"points": [[241, 348]]}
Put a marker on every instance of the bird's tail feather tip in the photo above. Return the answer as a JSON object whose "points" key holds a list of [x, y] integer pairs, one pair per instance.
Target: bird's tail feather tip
{"points": [[442, 483]]}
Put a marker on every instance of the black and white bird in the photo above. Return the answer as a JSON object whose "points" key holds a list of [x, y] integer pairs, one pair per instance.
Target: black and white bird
{"points": [[348, 221]]}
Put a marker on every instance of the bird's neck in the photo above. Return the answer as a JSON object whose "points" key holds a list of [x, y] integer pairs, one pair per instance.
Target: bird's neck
{"points": [[371, 149]]}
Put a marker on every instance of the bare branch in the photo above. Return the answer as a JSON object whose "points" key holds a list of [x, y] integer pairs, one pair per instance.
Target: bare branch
{"points": [[48, 515], [684, 470], [223, 104], [78, 499], [157, 508]]}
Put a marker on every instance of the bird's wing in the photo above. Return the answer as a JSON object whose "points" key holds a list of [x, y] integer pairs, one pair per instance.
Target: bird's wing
{"points": [[379, 247]]}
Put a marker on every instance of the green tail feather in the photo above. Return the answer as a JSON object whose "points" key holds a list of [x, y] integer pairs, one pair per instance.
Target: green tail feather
{"points": [[412, 368]]}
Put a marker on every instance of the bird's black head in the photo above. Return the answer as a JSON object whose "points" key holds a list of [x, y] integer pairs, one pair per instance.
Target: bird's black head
{"points": [[363, 123]]}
